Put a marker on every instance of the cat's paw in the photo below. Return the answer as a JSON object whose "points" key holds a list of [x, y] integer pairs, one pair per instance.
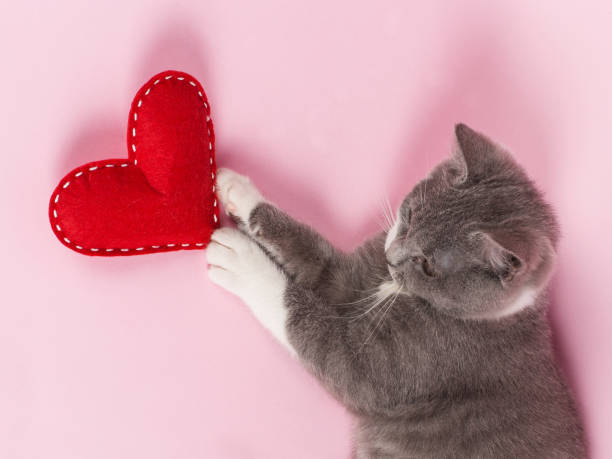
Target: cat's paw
{"points": [[240, 266], [237, 194]]}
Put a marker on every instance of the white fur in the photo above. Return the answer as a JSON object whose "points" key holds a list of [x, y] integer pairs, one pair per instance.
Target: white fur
{"points": [[240, 266], [524, 299], [392, 233], [237, 194], [386, 290]]}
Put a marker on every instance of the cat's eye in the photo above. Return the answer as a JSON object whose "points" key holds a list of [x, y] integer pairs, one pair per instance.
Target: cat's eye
{"points": [[425, 265], [427, 269]]}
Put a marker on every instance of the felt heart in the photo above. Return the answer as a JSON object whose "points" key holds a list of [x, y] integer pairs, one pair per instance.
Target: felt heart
{"points": [[162, 197]]}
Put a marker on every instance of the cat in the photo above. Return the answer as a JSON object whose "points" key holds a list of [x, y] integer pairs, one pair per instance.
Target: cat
{"points": [[432, 334]]}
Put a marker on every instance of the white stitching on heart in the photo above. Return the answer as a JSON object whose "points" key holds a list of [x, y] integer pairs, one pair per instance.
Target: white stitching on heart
{"points": [[133, 145]]}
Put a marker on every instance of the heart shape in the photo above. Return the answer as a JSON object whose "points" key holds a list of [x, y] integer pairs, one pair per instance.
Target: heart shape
{"points": [[161, 198]]}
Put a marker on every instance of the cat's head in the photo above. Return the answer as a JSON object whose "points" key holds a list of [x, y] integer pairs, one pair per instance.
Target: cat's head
{"points": [[475, 238]]}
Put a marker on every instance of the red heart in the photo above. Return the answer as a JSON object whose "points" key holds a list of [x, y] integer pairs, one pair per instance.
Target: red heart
{"points": [[162, 197]]}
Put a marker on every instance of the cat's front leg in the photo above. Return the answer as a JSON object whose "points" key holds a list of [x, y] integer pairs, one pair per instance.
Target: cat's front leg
{"points": [[240, 266], [300, 250]]}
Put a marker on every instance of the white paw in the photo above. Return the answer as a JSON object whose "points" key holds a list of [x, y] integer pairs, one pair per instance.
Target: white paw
{"points": [[240, 266], [237, 194]]}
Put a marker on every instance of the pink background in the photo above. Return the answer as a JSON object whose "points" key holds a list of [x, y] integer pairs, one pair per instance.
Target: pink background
{"points": [[329, 106]]}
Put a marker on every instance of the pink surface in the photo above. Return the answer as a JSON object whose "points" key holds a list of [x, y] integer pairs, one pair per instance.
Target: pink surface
{"points": [[329, 106]]}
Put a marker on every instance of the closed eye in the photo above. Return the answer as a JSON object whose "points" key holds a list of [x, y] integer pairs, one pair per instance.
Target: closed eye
{"points": [[400, 262]]}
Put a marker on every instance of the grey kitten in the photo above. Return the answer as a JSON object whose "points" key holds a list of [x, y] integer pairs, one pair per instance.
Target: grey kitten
{"points": [[449, 356]]}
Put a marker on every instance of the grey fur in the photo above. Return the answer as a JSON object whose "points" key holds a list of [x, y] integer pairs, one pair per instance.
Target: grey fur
{"points": [[432, 374]]}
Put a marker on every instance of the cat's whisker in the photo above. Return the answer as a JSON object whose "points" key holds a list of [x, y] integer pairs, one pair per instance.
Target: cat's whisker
{"points": [[385, 310], [389, 218], [370, 307], [379, 304], [369, 290], [387, 222], [378, 278], [374, 292], [361, 300], [384, 296], [378, 298], [373, 306], [392, 214], [383, 223]]}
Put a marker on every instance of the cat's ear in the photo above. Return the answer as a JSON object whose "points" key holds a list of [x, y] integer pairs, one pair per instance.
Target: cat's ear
{"points": [[517, 256], [502, 253], [475, 155]]}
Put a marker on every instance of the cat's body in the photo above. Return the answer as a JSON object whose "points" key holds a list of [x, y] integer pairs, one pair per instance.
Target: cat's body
{"points": [[423, 381], [433, 386]]}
